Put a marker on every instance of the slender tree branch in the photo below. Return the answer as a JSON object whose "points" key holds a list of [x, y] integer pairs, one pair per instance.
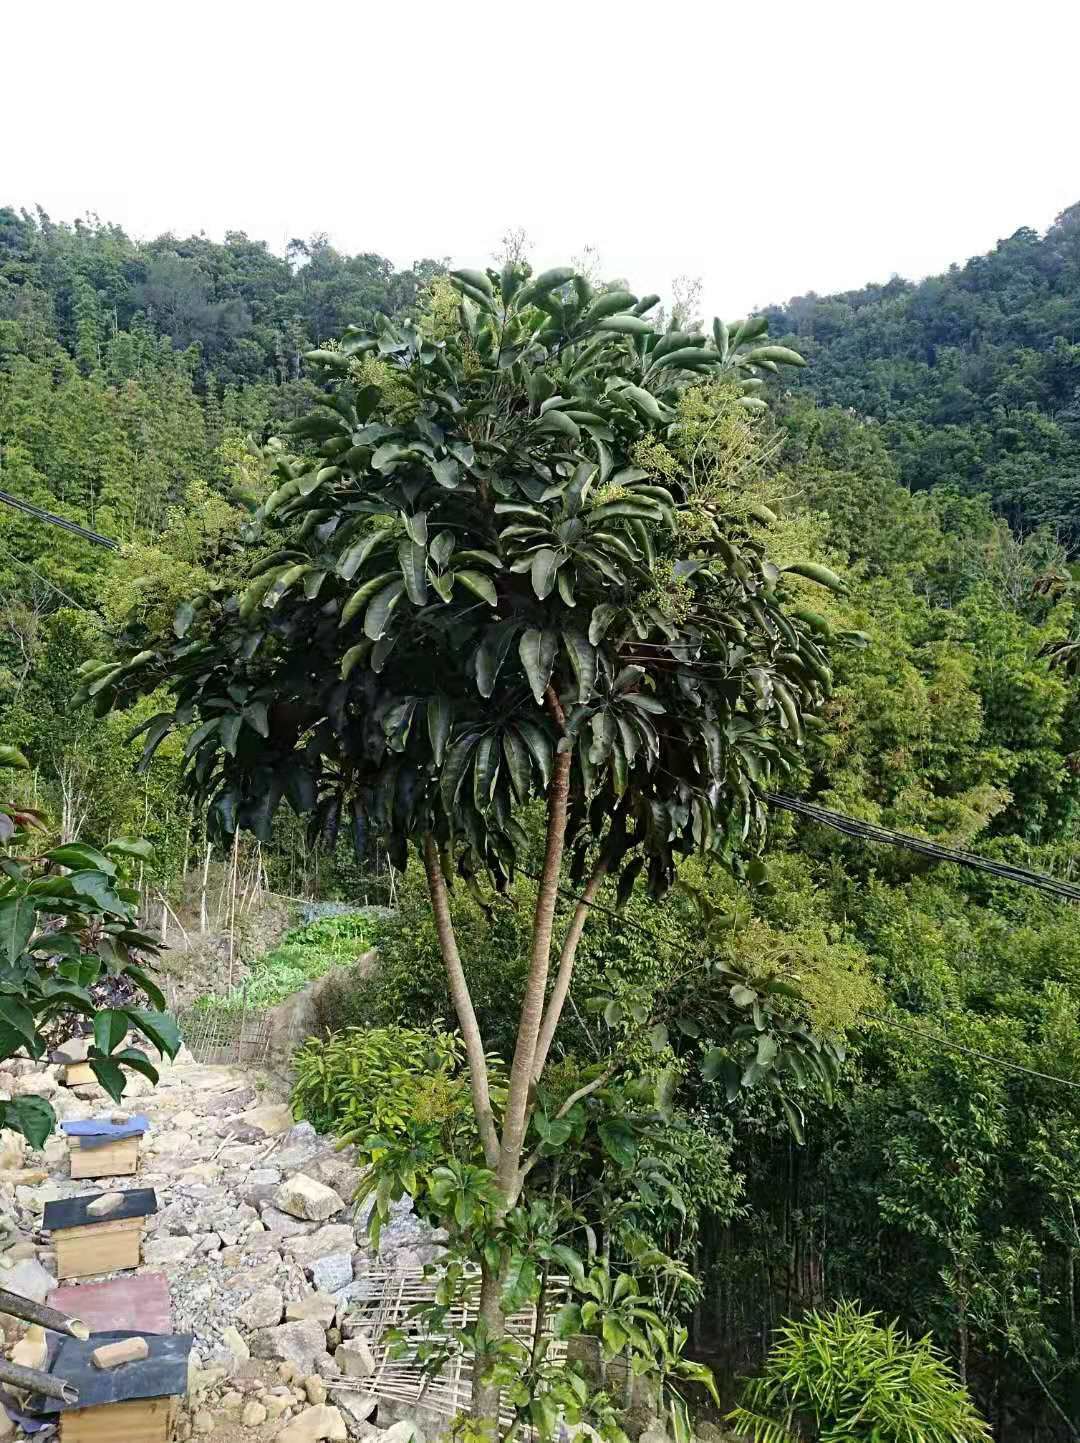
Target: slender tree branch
{"points": [[586, 1091], [564, 976], [532, 1005], [463, 1005]]}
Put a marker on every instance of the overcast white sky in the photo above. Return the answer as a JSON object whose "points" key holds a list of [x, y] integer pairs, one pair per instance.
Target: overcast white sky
{"points": [[771, 148]]}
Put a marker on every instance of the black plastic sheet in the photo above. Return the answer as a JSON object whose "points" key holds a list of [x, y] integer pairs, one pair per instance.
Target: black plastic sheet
{"points": [[163, 1374], [140, 1202]]}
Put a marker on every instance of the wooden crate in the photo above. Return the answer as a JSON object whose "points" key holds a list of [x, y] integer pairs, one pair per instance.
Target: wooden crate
{"points": [[105, 1247], [77, 1074], [113, 1159], [145, 1420]]}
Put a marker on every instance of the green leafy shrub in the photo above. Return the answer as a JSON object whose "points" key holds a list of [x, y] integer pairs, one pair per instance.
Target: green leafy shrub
{"points": [[378, 1079], [302, 955], [842, 1375]]}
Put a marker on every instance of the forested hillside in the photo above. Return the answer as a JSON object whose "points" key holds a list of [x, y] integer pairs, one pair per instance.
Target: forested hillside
{"points": [[139, 387], [973, 376]]}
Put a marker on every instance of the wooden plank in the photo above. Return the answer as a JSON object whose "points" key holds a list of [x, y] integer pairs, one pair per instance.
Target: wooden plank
{"points": [[147, 1420], [77, 1074], [113, 1159]]}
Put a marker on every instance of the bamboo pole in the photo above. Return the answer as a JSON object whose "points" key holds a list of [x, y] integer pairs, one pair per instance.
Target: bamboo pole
{"points": [[28, 1311], [203, 918], [34, 1381], [232, 906]]}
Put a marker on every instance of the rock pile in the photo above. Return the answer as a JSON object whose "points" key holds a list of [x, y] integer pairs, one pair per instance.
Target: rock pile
{"points": [[257, 1236]]}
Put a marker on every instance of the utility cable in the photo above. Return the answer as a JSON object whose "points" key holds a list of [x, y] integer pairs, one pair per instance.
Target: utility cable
{"points": [[879, 1017], [886, 836], [73, 526]]}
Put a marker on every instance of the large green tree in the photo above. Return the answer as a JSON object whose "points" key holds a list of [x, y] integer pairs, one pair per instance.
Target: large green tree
{"points": [[487, 598]]}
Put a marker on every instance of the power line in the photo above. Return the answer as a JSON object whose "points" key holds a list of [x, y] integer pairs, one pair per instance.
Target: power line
{"points": [[18, 560], [970, 1051], [885, 836], [655, 938], [73, 526]]}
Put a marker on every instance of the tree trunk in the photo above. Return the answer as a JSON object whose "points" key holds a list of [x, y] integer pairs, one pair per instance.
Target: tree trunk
{"points": [[564, 976], [532, 1005], [463, 1006], [485, 1396]]}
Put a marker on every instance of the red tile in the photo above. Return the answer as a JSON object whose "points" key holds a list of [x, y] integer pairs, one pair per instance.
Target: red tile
{"points": [[134, 1303]]}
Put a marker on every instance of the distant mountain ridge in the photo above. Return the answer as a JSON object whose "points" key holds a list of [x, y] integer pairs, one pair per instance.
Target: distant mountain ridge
{"points": [[973, 375]]}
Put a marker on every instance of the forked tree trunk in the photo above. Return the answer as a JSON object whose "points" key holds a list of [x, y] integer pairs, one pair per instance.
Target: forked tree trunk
{"points": [[536, 1028]]}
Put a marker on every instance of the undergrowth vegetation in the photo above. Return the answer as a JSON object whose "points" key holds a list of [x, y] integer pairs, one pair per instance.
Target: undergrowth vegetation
{"points": [[844, 1375], [303, 954]]}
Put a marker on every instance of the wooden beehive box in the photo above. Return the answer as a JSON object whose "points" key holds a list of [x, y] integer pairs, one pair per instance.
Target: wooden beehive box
{"points": [[86, 1245], [144, 1420], [136, 1402], [77, 1074], [100, 1148], [109, 1159]]}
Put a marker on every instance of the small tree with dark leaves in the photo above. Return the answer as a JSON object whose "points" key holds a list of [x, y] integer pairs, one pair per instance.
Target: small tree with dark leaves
{"points": [[68, 923]]}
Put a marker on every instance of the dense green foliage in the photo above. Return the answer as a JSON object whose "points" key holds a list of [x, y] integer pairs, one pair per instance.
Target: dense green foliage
{"points": [[937, 1187], [131, 379], [70, 944], [844, 1375], [365, 1080], [973, 376]]}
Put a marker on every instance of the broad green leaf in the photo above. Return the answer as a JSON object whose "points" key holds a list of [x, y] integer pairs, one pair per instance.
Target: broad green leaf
{"points": [[439, 717], [354, 655], [602, 617], [518, 763], [159, 1027], [477, 279], [354, 556], [381, 608], [479, 584], [16, 926], [619, 1142], [582, 657], [814, 571], [532, 652], [626, 326], [148, 985], [712, 1063], [559, 422], [110, 1029], [545, 566], [609, 304], [17, 1016], [96, 888], [412, 557], [136, 848], [447, 472], [485, 771], [111, 1076], [492, 653], [137, 1061], [539, 744], [185, 615], [362, 595], [782, 355], [32, 1116]]}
